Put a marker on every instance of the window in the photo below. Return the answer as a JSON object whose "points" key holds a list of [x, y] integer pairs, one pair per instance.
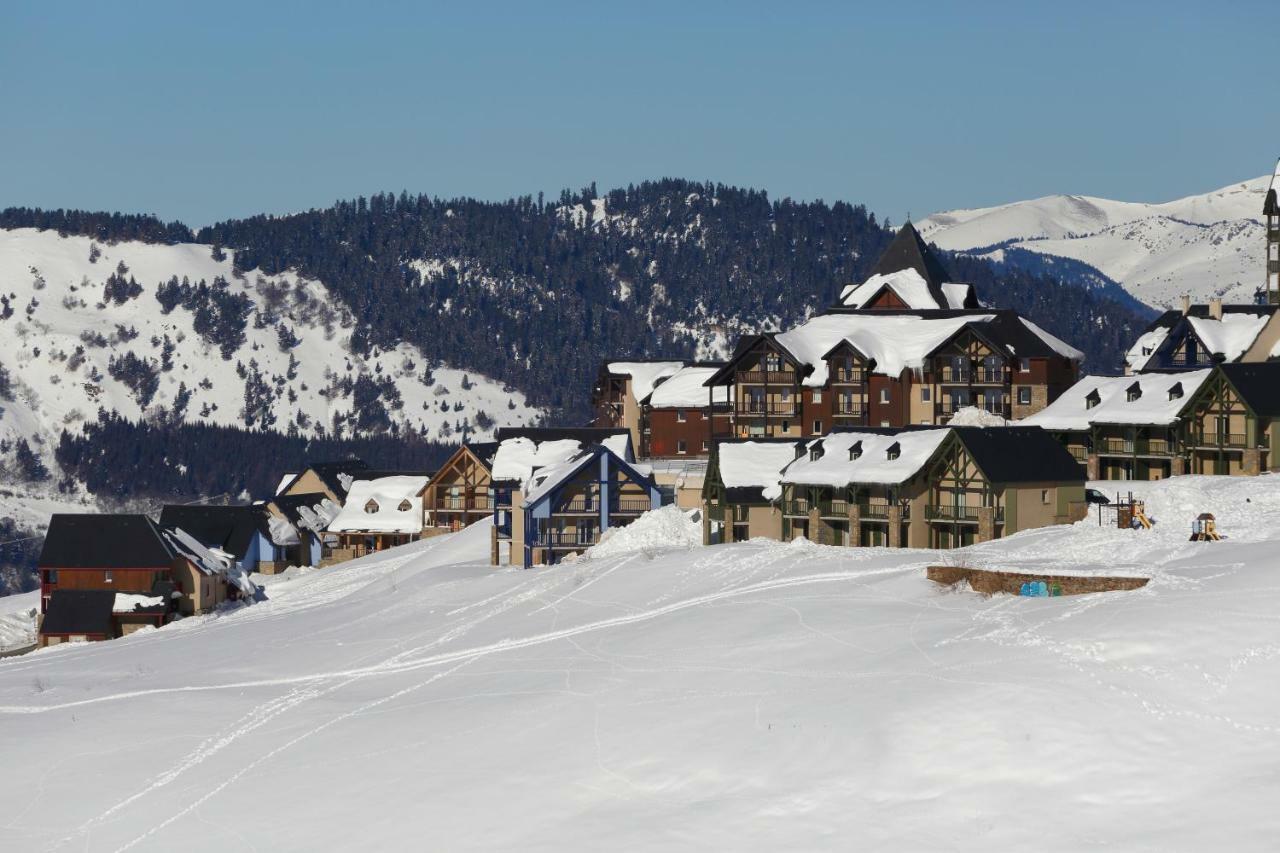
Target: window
{"points": [[926, 393], [786, 395], [1044, 496], [371, 507], [773, 362], [855, 451], [786, 426], [885, 424], [884, 395], [894, 451], [405, 506], [1175, 393], [106, 577], [816, 397], [817, 427], [1133, 392], [681, 447], [1024, 365], [680, 416], [1093, 399], [1024, 396], [816, 453]]}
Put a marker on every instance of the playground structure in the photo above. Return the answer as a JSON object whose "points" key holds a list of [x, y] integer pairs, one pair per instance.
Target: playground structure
{"points": [[1205, 528], [1130, 513]]}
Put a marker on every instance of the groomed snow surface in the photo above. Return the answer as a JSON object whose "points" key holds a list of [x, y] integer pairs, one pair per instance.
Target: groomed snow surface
{"points": [[756, 696]]}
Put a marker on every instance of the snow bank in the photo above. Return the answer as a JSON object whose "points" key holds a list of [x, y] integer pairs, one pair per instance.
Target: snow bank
{"points": [[18, 620], [974, 416], [663, 528]]}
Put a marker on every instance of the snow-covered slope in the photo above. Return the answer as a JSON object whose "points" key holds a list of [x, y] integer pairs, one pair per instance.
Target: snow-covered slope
{"points": [[1205, 245], [294, 366], [752, 696]]}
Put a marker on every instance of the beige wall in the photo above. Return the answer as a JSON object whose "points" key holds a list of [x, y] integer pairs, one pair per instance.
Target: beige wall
{"points": [[631, 414], [516, 554], [1265, 342], [764, 521], [918, 410], [309, 483], [1033, 512]]}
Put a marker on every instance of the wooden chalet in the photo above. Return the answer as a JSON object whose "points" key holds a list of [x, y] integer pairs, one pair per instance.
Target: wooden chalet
{"points": [[125, 572], [1232, 423], [332, 479], [556, 491], [681, 416], [741, 489], [378, 514], [1196, 337], [461, 492]]}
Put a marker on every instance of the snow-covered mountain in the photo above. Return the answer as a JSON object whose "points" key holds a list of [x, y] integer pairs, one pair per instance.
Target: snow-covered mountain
{"points": [[756, 696], [87, 325], [1203, 245]]}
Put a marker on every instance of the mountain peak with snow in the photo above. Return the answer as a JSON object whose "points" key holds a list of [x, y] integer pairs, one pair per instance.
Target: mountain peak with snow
{"points": [[1204, 245]]}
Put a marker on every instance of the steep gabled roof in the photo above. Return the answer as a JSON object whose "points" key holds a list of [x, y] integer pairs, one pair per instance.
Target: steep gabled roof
{"points": [[908, 251], [227, 528], [79, 611], [333, 474], [94, 541], [1258, 385], [1019, 455]]}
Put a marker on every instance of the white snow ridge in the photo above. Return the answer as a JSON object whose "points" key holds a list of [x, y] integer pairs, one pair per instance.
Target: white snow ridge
{"points": [[755, 696]]}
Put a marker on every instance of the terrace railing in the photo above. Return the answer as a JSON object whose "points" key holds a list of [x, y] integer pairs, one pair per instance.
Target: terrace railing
{"points": [[749, 407]]}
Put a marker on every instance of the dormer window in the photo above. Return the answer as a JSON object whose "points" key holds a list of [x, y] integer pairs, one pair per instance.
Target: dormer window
{"points": [[799, 451], [855, 451], [815, 453], [773, 362], [371, 507], [1093, 399], [1175, 393], [894, 451], [1133, 392], [405, 506]]}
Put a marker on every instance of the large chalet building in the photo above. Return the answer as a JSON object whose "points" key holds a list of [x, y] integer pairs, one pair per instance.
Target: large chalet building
{"points": [[905, 347]]}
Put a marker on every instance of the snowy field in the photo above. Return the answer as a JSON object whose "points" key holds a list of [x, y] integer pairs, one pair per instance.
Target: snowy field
{"points": [[752, 696]]}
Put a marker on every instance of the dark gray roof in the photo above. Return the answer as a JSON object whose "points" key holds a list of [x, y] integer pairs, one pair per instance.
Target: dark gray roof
{"points": [[1020, 455], [228, 528], [585, 435], [79, 611], [908, 251], [330, 474], [1258, 384], [483, 450], [84, 541]]}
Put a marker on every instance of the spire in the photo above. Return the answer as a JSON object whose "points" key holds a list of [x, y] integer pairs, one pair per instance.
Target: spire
{"points": [[909, 251]]}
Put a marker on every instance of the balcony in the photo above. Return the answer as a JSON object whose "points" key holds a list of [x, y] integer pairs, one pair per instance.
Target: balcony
{"points": [[629, 506], [778, 409], [954, 376], [459, 504], [990, 376], [1135, 447], [766, 377], [854, 411], [579, 504], [796, 506], [1181, 359], [833, 509], [951, 513], [566, 538], [1223, 439], [874, 511], [848, 377]]}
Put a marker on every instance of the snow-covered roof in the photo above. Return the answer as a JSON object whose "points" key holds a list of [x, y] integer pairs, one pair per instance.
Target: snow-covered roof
{"points": [[685, 388], [873, 465], [644, 374], [895, 342], [210, 562], [128, 602], [548, 478], [910, 287], [384, 505], [755, 464], [1145, 347], [284, 483], [517, 458], [1153, 405], [1230, 336], [1058, 345]]}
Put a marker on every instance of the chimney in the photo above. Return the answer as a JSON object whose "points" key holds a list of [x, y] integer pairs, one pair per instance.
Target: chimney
{"points": [[1215, 308], [1186, 304]]}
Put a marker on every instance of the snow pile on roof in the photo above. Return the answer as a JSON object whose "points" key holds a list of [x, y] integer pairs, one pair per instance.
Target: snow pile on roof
{"points": [[896, 342], [517, 458], [545, 479], [209, 562], [1058, 345], [755, 465], [956, 293], [384, 505], [837, 467], [127, 602], [620, 445], [685, 388], [316, 518], [644, 374], [1230, 336], [908, 284], [282, 532], [1145, 347], [664, 528], [974, 416], [1160, 399], [284, 483]]}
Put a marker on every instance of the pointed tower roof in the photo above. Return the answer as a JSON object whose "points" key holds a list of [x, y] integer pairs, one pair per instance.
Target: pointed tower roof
{"points": [[909, 251], [1271, 206]]}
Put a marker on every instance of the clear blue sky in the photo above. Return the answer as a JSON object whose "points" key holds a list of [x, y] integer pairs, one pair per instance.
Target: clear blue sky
{"points": [[274, 107]]}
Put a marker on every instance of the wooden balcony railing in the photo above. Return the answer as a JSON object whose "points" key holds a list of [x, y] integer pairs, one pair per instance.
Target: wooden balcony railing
{"points": [[630, 506], [772, 409], [875, 511], [456, 504], [1223, 439], [853, 411], [848, 377], [796, 506], [762, 377], [1135, 447], [945, 512], [566, 538]]}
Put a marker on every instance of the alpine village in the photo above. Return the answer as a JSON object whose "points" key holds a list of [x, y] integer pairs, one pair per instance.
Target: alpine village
{"points": [[906, 415]]}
